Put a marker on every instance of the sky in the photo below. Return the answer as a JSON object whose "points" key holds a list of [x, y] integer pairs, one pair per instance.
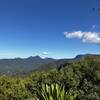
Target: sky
{"points": [[49, 28]]}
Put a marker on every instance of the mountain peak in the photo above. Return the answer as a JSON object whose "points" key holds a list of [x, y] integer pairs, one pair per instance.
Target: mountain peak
{"points": [[34, 57]]}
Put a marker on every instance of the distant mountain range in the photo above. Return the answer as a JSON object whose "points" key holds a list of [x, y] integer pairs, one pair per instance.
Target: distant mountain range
{"points": [[21, 65], [26, 65]]}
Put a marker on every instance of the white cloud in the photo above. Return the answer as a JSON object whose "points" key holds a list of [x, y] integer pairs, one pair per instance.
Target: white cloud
{"points": [[77, 34], [44, 53], [90, 37]]}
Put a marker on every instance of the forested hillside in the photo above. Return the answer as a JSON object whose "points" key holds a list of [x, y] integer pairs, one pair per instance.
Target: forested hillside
{"points": [[78, 80]]}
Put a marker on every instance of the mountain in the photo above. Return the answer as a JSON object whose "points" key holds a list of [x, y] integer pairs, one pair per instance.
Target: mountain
{"points": [[33, 63], [62, 62], [94, 56], [19, 65]]}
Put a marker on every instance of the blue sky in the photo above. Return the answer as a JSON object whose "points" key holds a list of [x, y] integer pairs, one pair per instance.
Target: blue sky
{"points": [[38, 27]]}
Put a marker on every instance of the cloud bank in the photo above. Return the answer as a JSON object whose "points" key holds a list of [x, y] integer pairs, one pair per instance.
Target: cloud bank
{"points": [[89, 37]]}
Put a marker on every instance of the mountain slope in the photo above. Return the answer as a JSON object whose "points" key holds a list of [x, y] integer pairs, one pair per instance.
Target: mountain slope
{"points": [[19, 65], [27, 65], [63, 62]]}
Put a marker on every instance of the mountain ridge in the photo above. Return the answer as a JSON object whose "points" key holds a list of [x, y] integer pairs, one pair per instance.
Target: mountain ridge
{"points": [[20, 65]]}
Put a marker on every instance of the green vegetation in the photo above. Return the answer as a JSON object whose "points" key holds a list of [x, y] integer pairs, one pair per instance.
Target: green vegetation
{"points": [[80, 80], [53, 92]]}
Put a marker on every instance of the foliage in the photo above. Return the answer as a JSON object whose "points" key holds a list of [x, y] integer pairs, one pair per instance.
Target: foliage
{"points": [[80, 80], [53, 92]]}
